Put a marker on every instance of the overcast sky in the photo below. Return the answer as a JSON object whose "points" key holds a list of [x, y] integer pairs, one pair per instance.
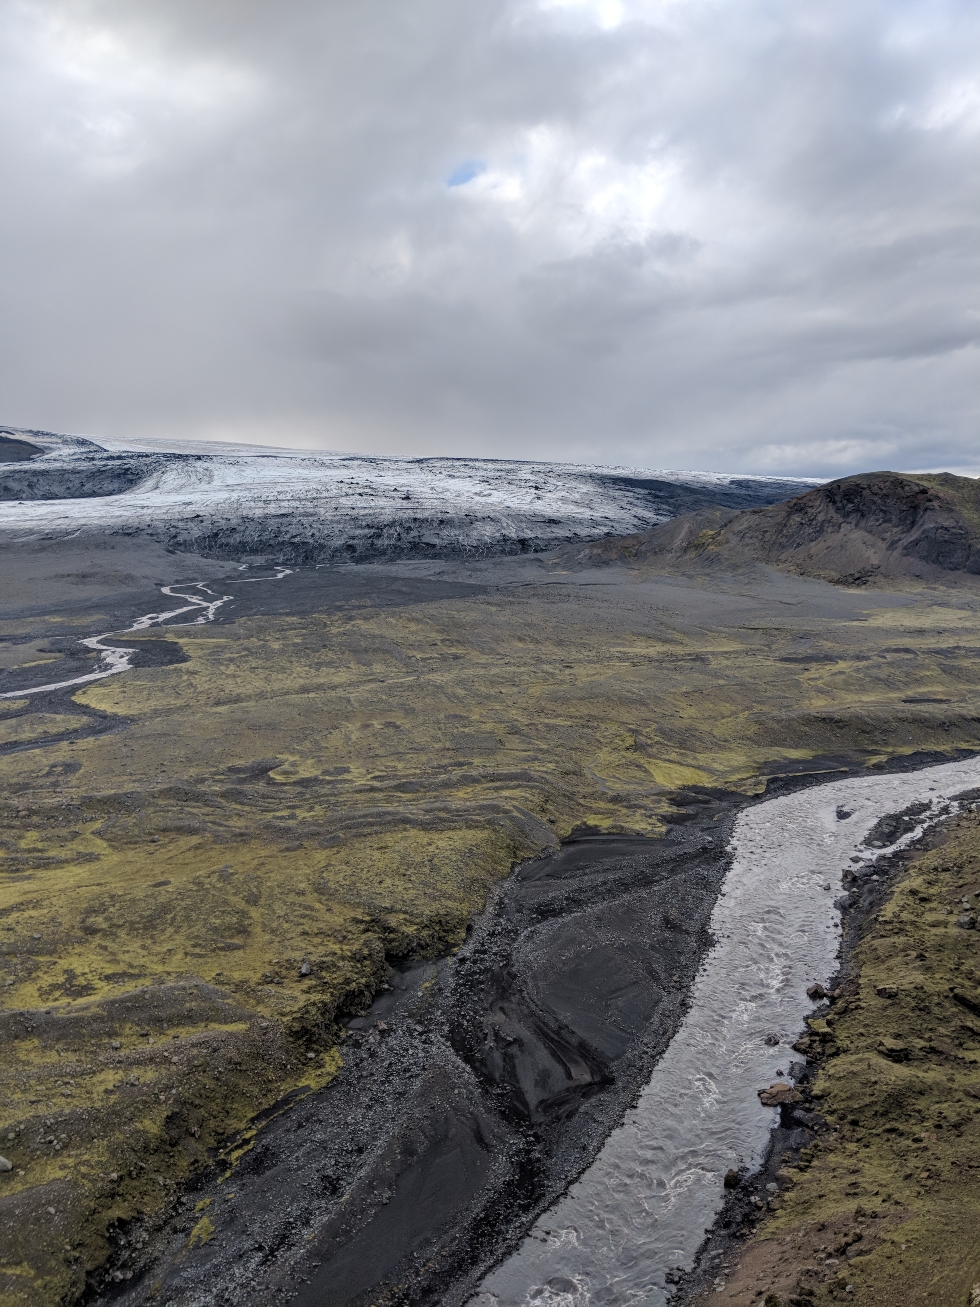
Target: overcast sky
{"points": [[726, 234]]}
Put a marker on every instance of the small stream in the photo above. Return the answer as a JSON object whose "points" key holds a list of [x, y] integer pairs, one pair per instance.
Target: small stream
{"points": [[643, 1206], [202, 601]]}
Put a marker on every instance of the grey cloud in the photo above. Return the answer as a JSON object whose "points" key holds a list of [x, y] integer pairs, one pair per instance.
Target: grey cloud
{"points": [[738, 236]]}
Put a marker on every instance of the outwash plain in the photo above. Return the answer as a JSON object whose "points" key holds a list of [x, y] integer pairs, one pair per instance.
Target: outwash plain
{"points": [[305, 812]]}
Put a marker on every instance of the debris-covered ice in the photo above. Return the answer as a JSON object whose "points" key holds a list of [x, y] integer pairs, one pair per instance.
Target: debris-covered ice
{"points": [[299, 506]]}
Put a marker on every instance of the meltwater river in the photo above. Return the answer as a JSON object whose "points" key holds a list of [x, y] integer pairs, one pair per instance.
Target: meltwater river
{"points": [[202, 603], [643, 1205]]}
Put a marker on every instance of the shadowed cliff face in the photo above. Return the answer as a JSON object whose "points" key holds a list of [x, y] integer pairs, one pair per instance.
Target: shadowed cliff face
{"points": [[861, 528]]}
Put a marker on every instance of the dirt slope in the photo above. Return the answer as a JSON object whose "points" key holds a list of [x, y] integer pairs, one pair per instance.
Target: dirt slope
{"points": [[879, 525]]}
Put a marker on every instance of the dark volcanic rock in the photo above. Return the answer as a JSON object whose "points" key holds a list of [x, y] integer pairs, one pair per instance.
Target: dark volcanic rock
{"points": [[889, 829], [878, 525], [13, 450]]}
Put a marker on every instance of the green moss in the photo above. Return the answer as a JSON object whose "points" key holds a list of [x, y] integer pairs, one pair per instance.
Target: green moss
{"points": [[202, 1233], [900, 1089], [342, 790]]}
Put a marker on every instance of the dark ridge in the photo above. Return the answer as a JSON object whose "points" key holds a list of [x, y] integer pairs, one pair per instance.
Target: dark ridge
{"points": [[879, 523], [17, 451], [876, 526]]}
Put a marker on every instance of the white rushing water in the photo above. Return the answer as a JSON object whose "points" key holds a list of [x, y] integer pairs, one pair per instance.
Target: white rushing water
{"points": [[644, 1204]]}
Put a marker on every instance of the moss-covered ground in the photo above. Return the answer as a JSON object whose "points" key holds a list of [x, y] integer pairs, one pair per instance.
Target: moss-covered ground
{"points": [[193, 899], [884, 1208]]}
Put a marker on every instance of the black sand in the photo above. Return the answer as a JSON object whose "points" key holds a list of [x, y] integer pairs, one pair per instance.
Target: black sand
{"points": [[474, 1090]]}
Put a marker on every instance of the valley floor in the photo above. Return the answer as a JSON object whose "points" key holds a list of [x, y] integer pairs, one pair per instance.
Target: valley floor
{"points": [[212, 861]]}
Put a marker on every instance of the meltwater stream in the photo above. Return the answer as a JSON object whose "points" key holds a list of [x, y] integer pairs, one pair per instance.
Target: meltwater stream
{"points": [[643, 1205], [114, 659]]}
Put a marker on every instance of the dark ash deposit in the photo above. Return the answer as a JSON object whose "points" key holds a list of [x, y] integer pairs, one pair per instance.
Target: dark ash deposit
{"points": [[473, 1091]]}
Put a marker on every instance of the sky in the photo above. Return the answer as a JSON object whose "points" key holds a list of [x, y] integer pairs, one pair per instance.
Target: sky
{"points": [[737, 235]]}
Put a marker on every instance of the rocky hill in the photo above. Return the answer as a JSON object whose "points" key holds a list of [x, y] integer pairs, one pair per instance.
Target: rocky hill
{"points": [[878, 525]]}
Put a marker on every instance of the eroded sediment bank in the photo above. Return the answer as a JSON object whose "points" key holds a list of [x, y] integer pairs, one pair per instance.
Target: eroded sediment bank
{"points": [[476, 1090], [642, 1207]]}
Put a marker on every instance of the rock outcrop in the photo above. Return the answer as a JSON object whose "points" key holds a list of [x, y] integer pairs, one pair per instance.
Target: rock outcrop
{"points": [[878, 525]]}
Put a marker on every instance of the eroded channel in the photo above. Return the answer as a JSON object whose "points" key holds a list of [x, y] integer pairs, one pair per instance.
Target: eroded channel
{"points": [[644, 1204], [473, 1091], [606, 1027]]}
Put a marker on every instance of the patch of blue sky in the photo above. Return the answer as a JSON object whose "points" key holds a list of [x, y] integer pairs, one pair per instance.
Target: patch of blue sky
{"points": [[465, 172]]}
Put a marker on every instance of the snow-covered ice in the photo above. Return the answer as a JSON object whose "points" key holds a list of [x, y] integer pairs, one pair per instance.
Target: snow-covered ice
{"points": [[300, 505]]}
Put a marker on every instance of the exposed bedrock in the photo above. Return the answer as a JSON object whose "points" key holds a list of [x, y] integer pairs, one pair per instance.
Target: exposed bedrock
{"points": [[877, 525]]}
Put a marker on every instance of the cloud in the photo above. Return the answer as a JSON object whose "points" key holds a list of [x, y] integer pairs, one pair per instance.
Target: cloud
{"points": [[731, 235]]}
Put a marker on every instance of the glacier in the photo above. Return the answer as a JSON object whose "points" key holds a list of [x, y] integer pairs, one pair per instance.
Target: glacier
{"points": [[299, 506]]}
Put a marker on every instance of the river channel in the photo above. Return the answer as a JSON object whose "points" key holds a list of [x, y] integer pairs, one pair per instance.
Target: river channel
{"points": [[585, 1068], [201, 601], [643, 1206]]}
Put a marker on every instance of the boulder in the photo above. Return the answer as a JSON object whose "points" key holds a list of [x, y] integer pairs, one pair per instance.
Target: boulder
{"points": [[778, 1094]]}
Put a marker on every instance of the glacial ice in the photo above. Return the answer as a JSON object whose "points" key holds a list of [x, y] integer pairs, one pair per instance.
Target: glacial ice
{"points": [[299, 506]]}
